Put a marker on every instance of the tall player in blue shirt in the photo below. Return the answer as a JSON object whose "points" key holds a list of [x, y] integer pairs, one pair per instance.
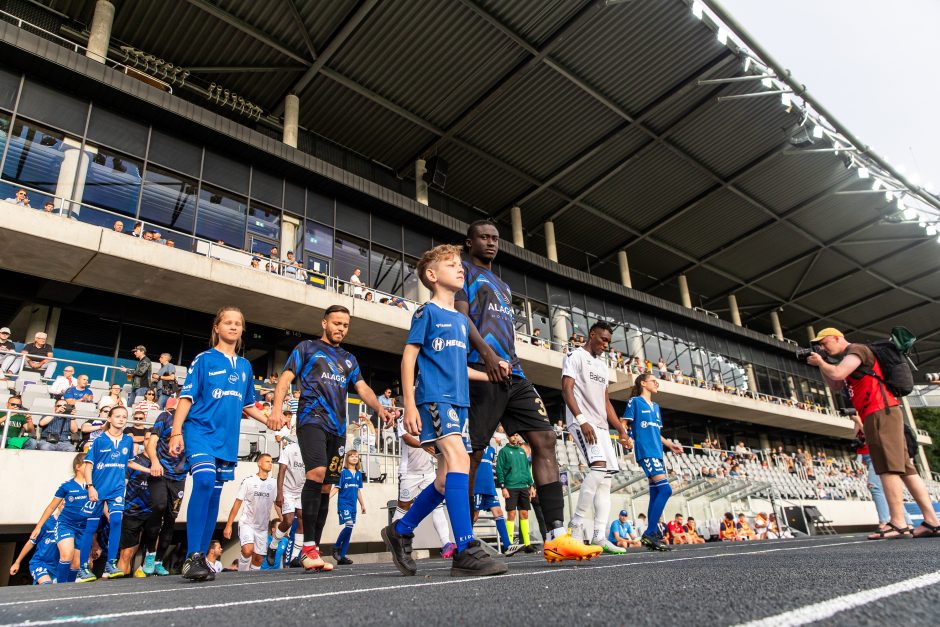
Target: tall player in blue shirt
{"points": [[324, 372], [349, 489], [436, 413], [218, 389], [70, 525], [106, 475], [646, 423], [511, 400]]}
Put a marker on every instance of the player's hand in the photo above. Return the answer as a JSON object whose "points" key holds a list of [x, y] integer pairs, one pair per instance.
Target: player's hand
{"points": [[227, 532], [588, 432], [388, 417], [505, 493], [276, 420], [412, 421], [531, 491], [15, 568], [430, 450], [156, 470], [176, 444], [92, 494], [491, 363], [675, 448], [626, 441], [279, 501]]}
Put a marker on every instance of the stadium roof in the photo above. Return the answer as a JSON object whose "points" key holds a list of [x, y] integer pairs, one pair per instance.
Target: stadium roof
{"points": [[592, 114]]}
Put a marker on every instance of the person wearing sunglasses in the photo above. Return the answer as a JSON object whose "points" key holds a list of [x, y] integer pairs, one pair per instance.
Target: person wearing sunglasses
{"points": [[147, 402], [20, 430], [57, 429]]}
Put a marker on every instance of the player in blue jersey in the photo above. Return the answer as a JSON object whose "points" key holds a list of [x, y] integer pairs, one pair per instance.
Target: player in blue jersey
{"points": [[70, 525], [105, 475], [45, 562], [508, 399], [646, 423], [167, 483], [325, 373], [137, 511], [484, 496], [218, 389], [436, 412], [349, 489]]}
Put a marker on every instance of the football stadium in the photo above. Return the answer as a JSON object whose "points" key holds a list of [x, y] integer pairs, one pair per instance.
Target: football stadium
{"points": [[663, 324]]}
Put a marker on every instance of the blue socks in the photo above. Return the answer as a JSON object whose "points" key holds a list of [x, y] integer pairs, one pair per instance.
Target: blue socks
{"points": [[342, 540], [420, 509], [84, 549], [198, 511], [659, 494], [456, 486], [114, 535], [62, 571], [212, 515], [503, 532]]}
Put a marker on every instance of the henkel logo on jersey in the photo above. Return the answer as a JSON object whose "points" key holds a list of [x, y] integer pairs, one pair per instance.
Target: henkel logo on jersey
{"points": [[440, 344], [218, 393]]}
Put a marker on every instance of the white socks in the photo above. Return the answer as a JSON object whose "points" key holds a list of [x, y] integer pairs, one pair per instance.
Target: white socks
{"points": [[601, 508], [278, 534], [439, 518], [586, 496], [244, 563]]}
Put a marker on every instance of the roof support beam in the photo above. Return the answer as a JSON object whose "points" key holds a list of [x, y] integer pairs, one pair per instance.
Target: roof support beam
{"points": [[243, 69], [255, 33], [299, 23], [809, 268]]}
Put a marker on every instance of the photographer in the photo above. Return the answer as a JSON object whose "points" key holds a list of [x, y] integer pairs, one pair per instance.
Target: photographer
{"points": [[883, 424], [56, 430]]}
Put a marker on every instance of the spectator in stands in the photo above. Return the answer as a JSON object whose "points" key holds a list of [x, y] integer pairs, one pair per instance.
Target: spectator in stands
{"points": [[641, 525], [140, 375], [92, 429], [20, 198], [760, 526], [8, 354], [56, 430], [37, 357], [80, 392], [213, 556], [20, 429], [113, 397], [369, 297], [274, 257], [621, 532], [148, 236], [63, 382], [675, 529], [138, 230], [743, 529], [256, 263], [118, 226], [165, 380], [170, 244], [692, 534], [663, 369], [366, 435], [148, 402], [138, 430], [536, 337], [356, 283], [48, 207], [290, 265], [158, 238]]}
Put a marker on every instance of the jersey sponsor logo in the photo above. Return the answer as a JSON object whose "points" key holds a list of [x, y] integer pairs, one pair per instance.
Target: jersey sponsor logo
{"points": [[598, 378], [452, 414], [341, 379], [440, 344], [443, 325], [218, 393], [124, 451], [216, 373], [233, 378], [100, 466], [348, 363], [119, 499], [505, 310]]}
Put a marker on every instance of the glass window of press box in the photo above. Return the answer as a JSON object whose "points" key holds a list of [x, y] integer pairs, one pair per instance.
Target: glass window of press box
{"points": [[99, 167]]}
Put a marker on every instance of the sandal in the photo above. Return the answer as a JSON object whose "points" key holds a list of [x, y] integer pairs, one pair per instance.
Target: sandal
{"points": [[932, 531], [903, 532]]}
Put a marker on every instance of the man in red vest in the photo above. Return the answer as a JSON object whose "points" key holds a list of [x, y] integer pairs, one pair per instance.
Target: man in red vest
{"points": [[883, 422]]}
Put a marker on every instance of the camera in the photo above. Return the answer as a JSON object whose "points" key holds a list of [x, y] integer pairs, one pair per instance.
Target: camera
{"points": [[802, 354], [68, 409]]}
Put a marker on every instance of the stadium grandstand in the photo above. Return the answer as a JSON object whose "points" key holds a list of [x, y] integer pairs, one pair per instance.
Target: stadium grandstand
{"points": [[647, 165]]}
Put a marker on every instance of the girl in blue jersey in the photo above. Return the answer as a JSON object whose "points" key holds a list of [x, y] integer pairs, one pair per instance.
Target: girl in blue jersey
{"points": [[70, 525], [218, 389], [350, 491], [646, 423], [43, 565]]}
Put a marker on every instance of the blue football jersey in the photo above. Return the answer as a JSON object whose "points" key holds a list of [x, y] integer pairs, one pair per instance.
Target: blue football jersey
{"points": [[324, 373], [220, 388], [76, 509], [349, 485], [443, 338], [137, 495], [46, 552], [484, 483], [174, 468], [108, 458], [647, 424], [490, 303]]}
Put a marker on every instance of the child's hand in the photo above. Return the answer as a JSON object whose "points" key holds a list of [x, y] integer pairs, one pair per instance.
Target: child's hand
{"points": [[363, 509], [505, 367], [412, 421], [15, 568]]}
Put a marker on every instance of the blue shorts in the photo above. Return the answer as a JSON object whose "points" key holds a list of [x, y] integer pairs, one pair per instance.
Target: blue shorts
{"points": [[652, 466], [115, 506], [346, 515], [64, 531], [440, 419], [224, 470], [37, 571], [485, 502]]}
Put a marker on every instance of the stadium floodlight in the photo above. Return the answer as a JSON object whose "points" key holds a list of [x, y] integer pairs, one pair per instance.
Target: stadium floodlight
{"points": [[747, 63], [863, 172], [697, 9], [931, 230], [910, 213], [767, 82], [876, 184], [722, 35], [818, 131], [785, 99]]}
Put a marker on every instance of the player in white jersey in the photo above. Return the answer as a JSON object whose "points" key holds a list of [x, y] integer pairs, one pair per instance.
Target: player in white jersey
{"points": [[590, 416], [290, 483], [255, 499], [416, 472]]}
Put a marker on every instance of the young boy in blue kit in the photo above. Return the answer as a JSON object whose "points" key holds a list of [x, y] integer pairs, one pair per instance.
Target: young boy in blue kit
{"points": [[436, 407]]}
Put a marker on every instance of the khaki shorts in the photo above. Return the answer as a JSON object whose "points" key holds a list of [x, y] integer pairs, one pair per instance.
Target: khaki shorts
{"points": [[884, 434]]}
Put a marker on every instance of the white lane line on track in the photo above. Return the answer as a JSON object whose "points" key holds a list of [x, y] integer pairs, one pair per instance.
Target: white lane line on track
{"points": [[446, 582], [827, 609], [299, 577]]}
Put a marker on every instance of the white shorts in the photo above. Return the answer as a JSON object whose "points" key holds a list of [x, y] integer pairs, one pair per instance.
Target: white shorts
{"points": [[257, 537], [291, 503], [410, 486], [601, 451]]}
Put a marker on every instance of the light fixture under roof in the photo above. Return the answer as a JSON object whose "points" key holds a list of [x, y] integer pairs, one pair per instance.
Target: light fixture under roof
{"points": [[697, 9]]}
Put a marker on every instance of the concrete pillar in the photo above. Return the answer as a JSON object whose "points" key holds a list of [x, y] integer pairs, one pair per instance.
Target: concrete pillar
{"points": [[291, 116], [624, 269], [100, 37], [635, 346], [290, 231], [72, 172], [421, 186], [561, 321], [920, 458], [751, 379], [733, 308], [42, 319], [764, 440], [810, 333], [517, 236], [551, 250], [775, 323], [684, 292]]}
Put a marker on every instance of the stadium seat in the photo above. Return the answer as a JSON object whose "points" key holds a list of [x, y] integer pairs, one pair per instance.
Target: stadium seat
{"points": [[42, 405], [25, 378], [99, 384], [89, 410]]}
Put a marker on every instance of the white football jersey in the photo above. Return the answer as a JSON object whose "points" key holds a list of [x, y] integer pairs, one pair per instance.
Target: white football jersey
{"points": [[257, 496], [292, 463], [590, 386]]}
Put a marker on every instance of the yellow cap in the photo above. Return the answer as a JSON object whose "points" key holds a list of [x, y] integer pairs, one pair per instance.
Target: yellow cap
{"points": [[827, 332]]}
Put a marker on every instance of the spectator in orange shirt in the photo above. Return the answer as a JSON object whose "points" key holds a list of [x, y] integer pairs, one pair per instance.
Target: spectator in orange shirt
{"points": [[728, 529], [692, 534], [744, 530]]}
